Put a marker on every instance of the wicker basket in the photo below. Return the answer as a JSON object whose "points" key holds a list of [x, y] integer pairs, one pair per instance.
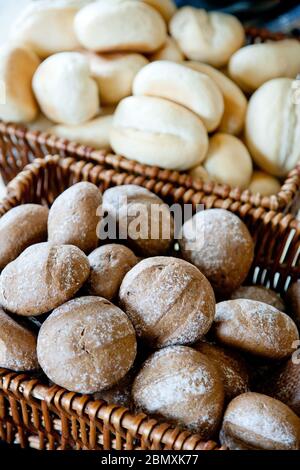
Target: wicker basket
{"points": [[19, 146], [36, 415]]}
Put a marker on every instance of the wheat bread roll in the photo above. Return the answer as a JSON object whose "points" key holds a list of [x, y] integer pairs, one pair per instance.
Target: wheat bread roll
{"points": [[175, 82], [255, 328], [207, 37], [293, 302], [43, 277], [261, 294], [73, 217], [21, 227], [143, 220], [166, 8], [181, 386], [120, 25], [228, 161], [86, 345], [254, 421], [158, 132], [94, 133], [168, 283], [109, 264], [65, 90], [264, 184], [235, 102], [254, 65], [231, 366], [169, 51], [220, 245], [20, 353], [273, 127], [47, 26], [17, 101], [115, 73]]}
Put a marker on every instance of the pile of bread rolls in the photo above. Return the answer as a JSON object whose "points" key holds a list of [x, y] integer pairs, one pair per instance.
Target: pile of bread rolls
{"points": [[155, 324], [175, 88]]}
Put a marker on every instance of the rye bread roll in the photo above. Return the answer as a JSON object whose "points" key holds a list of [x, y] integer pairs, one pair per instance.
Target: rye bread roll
{"points": [[73, 217], [293, 302], [86, 345], [21, 227], [43, 277], [254, 421], [168, 300], [182, 386], [17, 345], [256, 328], [261, 294]]}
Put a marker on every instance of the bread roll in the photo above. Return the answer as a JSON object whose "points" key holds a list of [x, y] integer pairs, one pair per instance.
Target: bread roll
{"points": [[158, 132], [20, 353], [231, 367], [184, 86], [228, 161], [120, 25], [235, 102], [86, 345], [109, 264], [256, 328], [253, 65], [199, 172], [43, 277], [254, 421], [73, 217], [166, 8], [115, 73], [119, 394], [21, 227], [47, 27], [273, 127], [169, 51], [137, 212], [41, 124], [207, 37], [293, 302], [183, 387], [264, 184], [65, 90], [260, 293], [93, 133], [224, 255], [168, 283], [18, 103]]}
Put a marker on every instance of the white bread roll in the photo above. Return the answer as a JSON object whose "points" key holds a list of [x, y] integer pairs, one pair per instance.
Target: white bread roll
{"points": [[253, 65], [184, 86], [115, 73], [264, 184], [166, 8], [41, 123], [228, 161], [47, 26], [94, 133], [207, 37], [158, 132], [273, 127], [169, 51], [17, 67], [120, 25], [235, 102], [65, 90]]}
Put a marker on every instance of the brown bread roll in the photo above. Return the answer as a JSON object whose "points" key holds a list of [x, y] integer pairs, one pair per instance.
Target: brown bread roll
{"points": [[168, 300], [43, 277], [73, 217], [17, 345], [220, 245], [256, 422], [86, 345], [293, 302], [129, 203], [231, 366], [109, 264], [256, 328], [182, 386], [119, 394], [21, 227], [260, 293]]}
